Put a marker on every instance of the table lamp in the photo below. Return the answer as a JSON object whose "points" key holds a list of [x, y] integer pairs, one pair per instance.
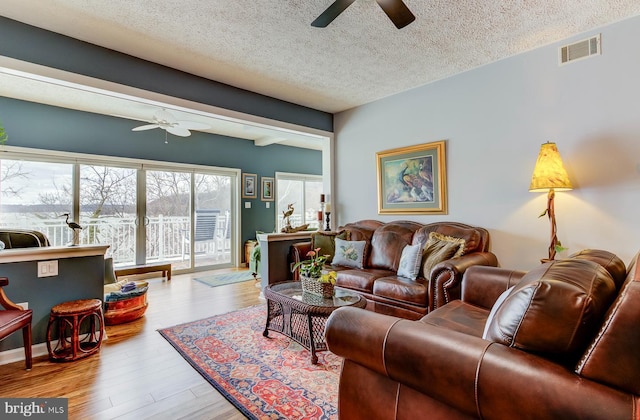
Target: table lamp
{"points": [[550, 176]]}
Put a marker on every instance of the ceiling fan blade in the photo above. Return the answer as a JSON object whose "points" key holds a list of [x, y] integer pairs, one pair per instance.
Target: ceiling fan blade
{"points": [[397, 11], [145, 127], [193, 125], [179, 131], [331, 13]]}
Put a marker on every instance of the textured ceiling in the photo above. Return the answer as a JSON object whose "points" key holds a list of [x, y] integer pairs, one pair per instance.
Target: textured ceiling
{"points": [[269, 46]]}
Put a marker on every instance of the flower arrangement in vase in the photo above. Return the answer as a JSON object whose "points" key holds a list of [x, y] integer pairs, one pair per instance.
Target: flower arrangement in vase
{"points": [[311, 276]]}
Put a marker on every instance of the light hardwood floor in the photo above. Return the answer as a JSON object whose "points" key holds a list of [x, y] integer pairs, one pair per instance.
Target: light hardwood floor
{"points": [[137, 374]]}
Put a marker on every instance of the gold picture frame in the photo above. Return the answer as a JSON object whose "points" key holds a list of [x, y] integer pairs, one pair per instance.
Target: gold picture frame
{"points": [[413, 179], [249, 185], [267, 188]]}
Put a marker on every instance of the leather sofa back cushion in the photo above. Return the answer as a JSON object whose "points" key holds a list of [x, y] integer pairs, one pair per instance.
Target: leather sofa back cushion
{"points": [[555, 309], [611, 262], [387, 244], [612, 358]]}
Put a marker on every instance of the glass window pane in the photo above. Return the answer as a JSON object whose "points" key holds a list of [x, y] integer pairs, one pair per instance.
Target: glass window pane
{"points": [[34, 195], [303, 193], [289, 192], [312, 192], [168, 221], [108, 210], [213, 219]]}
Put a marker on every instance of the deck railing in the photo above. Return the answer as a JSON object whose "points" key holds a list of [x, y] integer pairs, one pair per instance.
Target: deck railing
{"points": [[167, 236]]}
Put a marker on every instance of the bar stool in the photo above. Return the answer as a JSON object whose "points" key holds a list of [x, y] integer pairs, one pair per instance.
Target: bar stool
{"points": [[71, 319]]}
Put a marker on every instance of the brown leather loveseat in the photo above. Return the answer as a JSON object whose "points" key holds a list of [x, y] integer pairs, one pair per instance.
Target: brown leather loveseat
{"points": [[562, 343], [378, 278]]}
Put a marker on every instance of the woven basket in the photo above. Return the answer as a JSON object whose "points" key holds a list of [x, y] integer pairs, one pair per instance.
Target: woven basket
{"points": [[313, 286]]}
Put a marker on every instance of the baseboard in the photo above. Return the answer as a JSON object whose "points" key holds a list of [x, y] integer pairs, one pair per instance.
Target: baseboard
{"points": [[37, 350], [16, 355]]}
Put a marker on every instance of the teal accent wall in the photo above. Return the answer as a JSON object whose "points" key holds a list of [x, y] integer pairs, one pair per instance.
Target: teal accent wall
{"points": [[35, 45], [45, 127], [78, 278], [51, 128]]}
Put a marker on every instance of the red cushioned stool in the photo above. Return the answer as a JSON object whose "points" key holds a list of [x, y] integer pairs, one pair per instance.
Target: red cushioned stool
{"points": [[71, 318]]}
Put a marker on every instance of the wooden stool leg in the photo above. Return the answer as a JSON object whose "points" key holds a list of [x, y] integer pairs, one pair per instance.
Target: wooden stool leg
{"points": [[75, 337], [49, 328]]}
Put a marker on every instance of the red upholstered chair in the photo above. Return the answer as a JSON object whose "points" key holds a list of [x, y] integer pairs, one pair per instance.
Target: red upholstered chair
{"points": [[14, 318]]}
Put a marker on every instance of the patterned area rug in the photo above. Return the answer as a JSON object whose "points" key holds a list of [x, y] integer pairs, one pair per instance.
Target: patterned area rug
{"points": [[226, 278], [263, 377]]}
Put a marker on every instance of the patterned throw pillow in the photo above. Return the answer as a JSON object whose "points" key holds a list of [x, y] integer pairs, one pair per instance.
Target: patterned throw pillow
{"points": [[349, 253], [440, 248], [326, 241], [410, 261]]}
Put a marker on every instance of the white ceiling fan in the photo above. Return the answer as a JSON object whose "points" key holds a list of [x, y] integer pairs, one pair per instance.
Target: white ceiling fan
{"points": [[163, 119]]}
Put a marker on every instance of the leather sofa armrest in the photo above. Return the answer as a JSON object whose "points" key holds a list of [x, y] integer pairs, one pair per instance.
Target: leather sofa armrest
{"points": [[482, 285], [409, 352], [297, 253], [446, 276]]}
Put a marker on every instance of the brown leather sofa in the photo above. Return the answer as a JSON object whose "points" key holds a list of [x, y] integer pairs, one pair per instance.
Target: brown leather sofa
{"points": [[378, 282], [562, 344]]}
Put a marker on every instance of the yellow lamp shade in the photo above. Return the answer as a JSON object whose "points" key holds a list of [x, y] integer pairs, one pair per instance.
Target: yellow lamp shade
{"points": [[549, 172]]}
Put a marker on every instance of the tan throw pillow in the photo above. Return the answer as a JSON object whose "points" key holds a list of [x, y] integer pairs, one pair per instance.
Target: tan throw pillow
{"points": [[440, 248]]}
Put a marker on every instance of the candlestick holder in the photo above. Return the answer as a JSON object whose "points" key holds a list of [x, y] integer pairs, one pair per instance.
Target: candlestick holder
{"points": [[327, 213]]}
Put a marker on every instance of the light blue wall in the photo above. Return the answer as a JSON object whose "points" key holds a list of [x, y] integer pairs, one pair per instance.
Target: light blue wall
{"points": [[494, 120]]}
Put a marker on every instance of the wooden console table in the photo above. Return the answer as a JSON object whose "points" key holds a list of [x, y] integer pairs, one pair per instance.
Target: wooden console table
{"points": [[274, 255]]}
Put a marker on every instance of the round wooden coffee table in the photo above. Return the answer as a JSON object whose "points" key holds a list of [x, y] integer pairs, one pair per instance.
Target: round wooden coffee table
{"points": [[302, 316]]}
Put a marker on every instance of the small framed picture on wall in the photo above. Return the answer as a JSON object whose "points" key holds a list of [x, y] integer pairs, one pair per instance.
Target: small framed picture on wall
{"points": [[267, 191], [249, 187]]}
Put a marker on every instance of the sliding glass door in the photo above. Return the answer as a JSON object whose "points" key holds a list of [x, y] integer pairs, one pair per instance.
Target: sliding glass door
{"points": [[167, 221], [108, 209], [182, 215], [213, 219]]}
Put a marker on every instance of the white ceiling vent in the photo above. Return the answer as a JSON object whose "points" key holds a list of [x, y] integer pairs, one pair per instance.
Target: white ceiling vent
{"points": [[580, 50]]}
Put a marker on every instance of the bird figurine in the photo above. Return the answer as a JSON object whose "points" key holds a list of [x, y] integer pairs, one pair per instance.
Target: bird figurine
{"points": [[286, 216], [76, 230]]}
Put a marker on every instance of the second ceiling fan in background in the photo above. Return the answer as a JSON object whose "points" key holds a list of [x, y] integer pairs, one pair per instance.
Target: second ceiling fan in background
{"points": [[397, 11]]}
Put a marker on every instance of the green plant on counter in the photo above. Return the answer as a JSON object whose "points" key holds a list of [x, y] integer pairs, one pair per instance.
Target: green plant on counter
{"points": [[3, 134]]}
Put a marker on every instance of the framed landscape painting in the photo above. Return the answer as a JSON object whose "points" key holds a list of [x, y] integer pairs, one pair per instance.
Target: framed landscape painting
{"points": [[267, 189], [412, 180], [249, 187]]}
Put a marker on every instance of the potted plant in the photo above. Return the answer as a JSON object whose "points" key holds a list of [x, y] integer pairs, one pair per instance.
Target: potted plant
{"points": [[312, 277]]}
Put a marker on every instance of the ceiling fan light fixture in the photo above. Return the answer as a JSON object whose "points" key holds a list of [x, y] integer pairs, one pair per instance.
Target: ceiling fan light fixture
{"points": [[396, 10], [165, 120]]}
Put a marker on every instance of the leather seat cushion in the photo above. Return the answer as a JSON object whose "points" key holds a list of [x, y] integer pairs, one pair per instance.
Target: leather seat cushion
{"points": [[402, 289], [360, 279], [459, 316], [12, 320]]}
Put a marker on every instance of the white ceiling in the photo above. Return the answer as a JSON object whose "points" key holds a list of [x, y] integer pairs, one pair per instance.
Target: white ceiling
{"points": [[269, 46]]}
